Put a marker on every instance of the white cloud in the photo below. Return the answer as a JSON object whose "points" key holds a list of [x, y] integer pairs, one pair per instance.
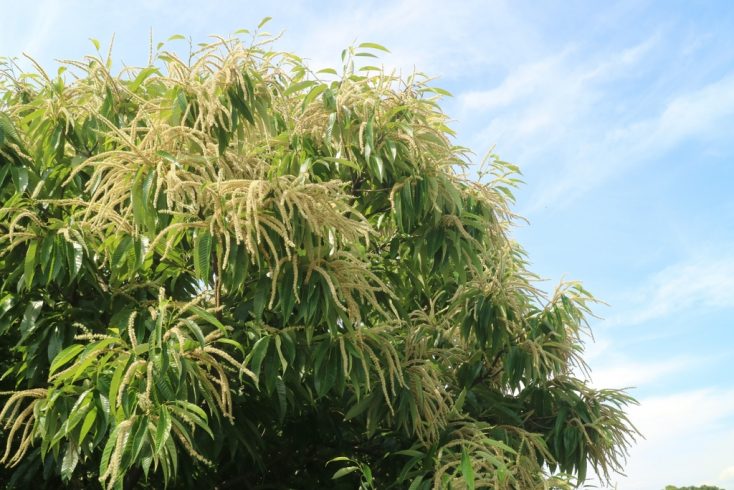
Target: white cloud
{"points": [[697, 283], [558, 112], [687, 440], [552, 100], [727, 474], [677, 415], [443, 39], [541, 82], [704, 114], [627, 373], [41, 27], [522, 83]]}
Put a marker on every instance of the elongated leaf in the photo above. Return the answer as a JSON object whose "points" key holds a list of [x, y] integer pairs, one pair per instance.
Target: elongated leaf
{"points": [[298, 86], [29, 268], [162, 431], [89, 421], [257, 355], [374, 46], [416, 483], [344, 472], [71, 458], [467, 471], [76, 254], [65, 356], [194, 328], [203, 255], [30, 315], [208, 317]]}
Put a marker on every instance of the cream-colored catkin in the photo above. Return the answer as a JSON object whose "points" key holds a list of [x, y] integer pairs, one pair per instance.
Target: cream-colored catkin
{"points": [[131, 371], [113, 468], [16, 425], [189, 448], [131, 329]]}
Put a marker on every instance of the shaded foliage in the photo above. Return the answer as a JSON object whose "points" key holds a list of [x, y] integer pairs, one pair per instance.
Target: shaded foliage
{"points": [[223, 269]]}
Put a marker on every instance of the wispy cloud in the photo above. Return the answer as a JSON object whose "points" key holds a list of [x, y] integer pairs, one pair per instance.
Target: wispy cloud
{"points": [[541, 104], [561, 113], [706, 283], [41, 27], [432, 36], [703, 114], [628, 373]]}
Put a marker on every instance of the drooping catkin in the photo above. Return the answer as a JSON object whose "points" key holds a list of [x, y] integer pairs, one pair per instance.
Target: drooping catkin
{"points": [[109, 477], [131, 371]]}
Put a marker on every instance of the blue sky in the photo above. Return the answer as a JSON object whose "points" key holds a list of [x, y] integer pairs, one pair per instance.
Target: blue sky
{"points": [[621, 115]]}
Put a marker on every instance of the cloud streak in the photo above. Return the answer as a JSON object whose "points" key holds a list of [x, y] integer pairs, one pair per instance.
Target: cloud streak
{"points": [[703, 114], [704, 283]]}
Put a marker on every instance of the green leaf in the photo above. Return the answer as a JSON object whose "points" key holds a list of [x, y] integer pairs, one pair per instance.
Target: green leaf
{"points": [[298, 86], [29, 266], [203, 255], [208, 317], [120, 369], [30, 315], [413, 453], [282, 398], [119, 257], [107, 451], [87, 424], [64, 357], [75, 258], [162, 431], [7, 129], [78, 411], [71, 458], [374, 46], [194, 328], [256, 356], [20, 178], [344, 472], [313, 93], [264, 21], [137, 198], [3, 171], [139, 437], [467, 471], [6, 303], [192, 413], [142, 76], [416, 483], [55, 343], [358, 408]]}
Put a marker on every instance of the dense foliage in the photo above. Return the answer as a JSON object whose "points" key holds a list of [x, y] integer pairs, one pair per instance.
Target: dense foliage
{"points": [[223, 269]]}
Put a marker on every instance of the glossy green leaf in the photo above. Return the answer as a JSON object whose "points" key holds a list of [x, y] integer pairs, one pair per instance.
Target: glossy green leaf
{"points": [[71, 458]]}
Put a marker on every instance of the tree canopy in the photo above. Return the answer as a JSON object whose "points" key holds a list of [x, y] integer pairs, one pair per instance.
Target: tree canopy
{"points": [[223, 268]]}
